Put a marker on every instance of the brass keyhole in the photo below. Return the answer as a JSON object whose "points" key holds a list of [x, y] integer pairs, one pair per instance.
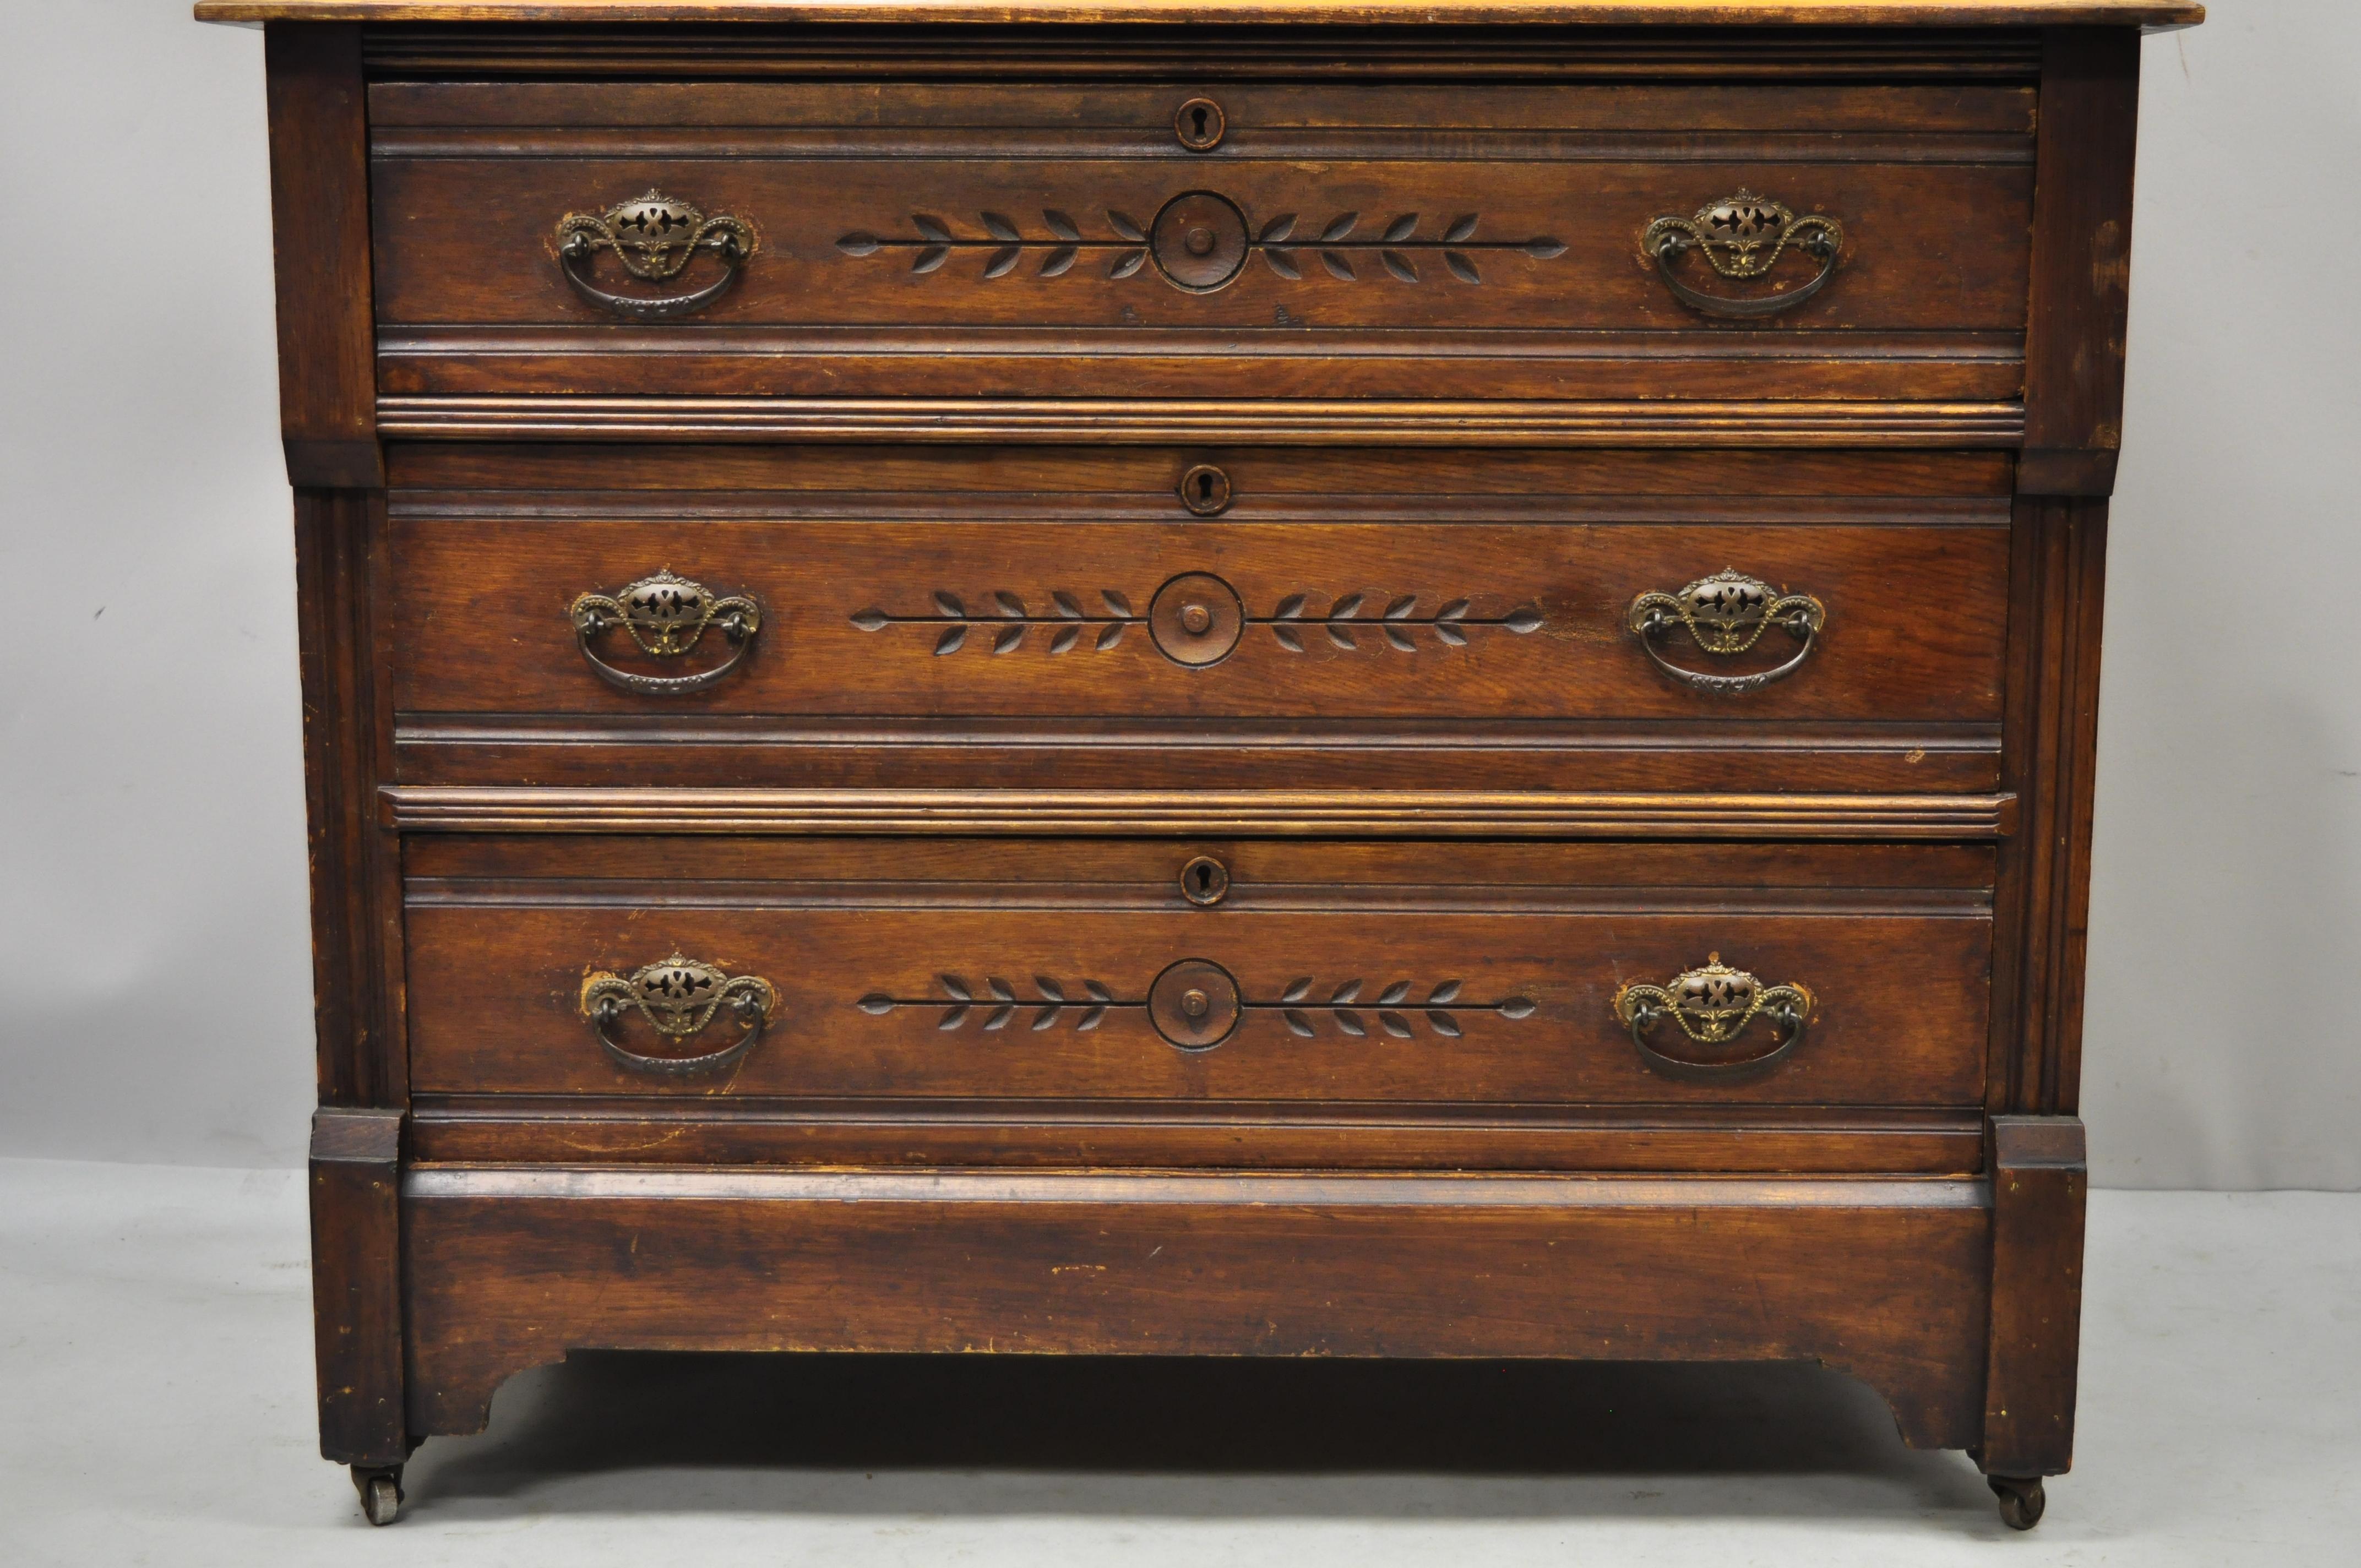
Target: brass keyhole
{"points": [[1204, 881], [1205, 491], [1198, 125]]}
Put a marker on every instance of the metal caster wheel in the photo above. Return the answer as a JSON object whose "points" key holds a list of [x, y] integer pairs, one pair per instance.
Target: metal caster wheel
{"points": [[380, 1490], [2021, 1501]]}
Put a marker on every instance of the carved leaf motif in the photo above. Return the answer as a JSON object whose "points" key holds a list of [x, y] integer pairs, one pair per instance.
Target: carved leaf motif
{"points": [[1401, 228], [999, 228], [1000, 1017], [1298, 1022], [1456, 610], [1097, 993], [1001, 989], [1347, 992], [1517, 1007], [1277, 229], [1394, 994], [869, 619], [1523, 620], [1297, 990], [956, 988], [1003, 261], [1461, 229], [876, 1002], [1060, 224], [1117, 603], [1542, 249], [1066, 638], [1394, 1024], [949, 603], [1350, 1022], [1009, 640], [1090, 1019], [1462, 266], [1047, 988], [1450, 635], [1399, 265], [949, 642], [1339, 227], [858, 243], [1345, 609], [1066, 605], [1126, 263], [1011, 606], [1059, 261], [1288, 608], [1125, 229], [1287, 639], [1442, 1023], [1335, 263], [1046, 1017], [1400, 639], [952, 1018], [930, 227], [1111, 635], [1282, 262], [1447, 991], [1401, 607], [1342, 638], [934, 256]]}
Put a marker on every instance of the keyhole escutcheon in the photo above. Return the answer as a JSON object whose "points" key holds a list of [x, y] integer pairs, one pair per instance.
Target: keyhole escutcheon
{"points": [[1205, 491], [1204, 881], [1199, 123]]}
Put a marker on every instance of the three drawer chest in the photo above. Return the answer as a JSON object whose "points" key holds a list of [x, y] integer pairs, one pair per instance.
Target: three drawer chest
{"points": [[1258, 679]]}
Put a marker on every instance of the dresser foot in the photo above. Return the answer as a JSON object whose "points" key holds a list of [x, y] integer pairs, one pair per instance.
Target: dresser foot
{"points": [[2021, 1499], [381, 1489]]}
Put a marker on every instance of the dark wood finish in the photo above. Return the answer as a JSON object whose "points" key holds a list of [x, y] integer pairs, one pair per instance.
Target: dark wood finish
{"points": [[2040, 1186], [1362, 1088], [319, 202], [2051, 745], [356, 1285], [510, 1268], [2081, 263]]}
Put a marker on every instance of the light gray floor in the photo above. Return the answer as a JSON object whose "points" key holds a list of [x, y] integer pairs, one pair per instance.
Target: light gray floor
{"points": [[156, 1385]]}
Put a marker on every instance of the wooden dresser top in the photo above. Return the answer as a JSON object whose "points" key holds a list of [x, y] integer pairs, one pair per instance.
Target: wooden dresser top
{"points": [[2151, 14]]}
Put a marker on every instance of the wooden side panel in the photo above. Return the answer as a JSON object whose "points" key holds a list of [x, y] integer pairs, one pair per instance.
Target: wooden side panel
{"points": [[1885, 1281], [2040, 1186], [2081, 262], [319, 224], [356, 1285], [2051, 740]]}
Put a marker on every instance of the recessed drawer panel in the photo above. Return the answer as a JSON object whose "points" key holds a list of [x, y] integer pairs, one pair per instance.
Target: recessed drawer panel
{"points": [[1233, 972], [1654, 621], [1240, 240]]}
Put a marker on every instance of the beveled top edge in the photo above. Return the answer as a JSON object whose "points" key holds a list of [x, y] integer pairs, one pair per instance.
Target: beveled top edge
{"points": [[2149, 14]]}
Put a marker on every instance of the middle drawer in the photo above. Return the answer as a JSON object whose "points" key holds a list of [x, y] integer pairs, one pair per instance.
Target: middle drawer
{"points": [[1665, 619]]}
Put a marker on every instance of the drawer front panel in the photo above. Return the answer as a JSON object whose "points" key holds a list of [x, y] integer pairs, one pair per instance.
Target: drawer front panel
{"points": [[946, 240], [1485, 975], [1080, 620]]}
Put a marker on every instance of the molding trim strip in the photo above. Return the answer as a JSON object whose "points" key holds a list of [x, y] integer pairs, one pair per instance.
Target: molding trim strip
{"points": [[1265, 813], [1262, 423]]}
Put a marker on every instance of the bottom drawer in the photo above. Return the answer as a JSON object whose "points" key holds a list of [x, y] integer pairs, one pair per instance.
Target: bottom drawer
{"points": [[1418, 979]]}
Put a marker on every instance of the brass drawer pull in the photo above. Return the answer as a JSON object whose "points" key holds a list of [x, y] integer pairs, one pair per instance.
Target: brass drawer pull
{"points": [[666, 616], [654, 237], [1742, 237], [1713, 1005], [1726, 615], [679, 997]]}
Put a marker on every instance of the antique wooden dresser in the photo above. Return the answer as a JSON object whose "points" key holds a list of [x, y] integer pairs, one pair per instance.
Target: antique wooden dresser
{"points": [[1364, 679]]}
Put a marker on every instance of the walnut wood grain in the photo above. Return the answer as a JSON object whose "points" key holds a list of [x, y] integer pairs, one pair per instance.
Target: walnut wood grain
{"points": [[1461, 992], [1598, 13], [1381, 619], [2040, 1186], [356, 1285], [510, 1268]]}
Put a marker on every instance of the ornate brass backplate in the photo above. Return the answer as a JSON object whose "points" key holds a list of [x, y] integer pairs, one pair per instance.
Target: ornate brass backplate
{"points": [[677, 996], [1742, 237], [1726, 615], [653, 235], [1713, 1005], [665, 615]]}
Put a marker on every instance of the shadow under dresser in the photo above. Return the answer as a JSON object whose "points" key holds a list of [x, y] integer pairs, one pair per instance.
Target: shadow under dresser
{"points": [[1243, 680]]}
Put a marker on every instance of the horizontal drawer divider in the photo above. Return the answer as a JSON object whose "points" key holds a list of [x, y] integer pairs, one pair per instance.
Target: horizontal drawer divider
{"points": [[1240, 422], [1379, 813]]}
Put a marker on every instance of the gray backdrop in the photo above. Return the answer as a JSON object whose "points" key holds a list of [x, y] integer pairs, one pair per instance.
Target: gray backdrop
{"points": [[151, 807]]}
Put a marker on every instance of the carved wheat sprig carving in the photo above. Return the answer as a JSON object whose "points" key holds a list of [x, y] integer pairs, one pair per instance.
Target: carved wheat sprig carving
{"points": [[997, 1003], [1395, 626], [994, 1005], [1391, 1007], [1011, 619]]}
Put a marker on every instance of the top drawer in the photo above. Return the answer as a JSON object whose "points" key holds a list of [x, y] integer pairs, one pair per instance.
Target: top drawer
{"points": [[1241, 239]]}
